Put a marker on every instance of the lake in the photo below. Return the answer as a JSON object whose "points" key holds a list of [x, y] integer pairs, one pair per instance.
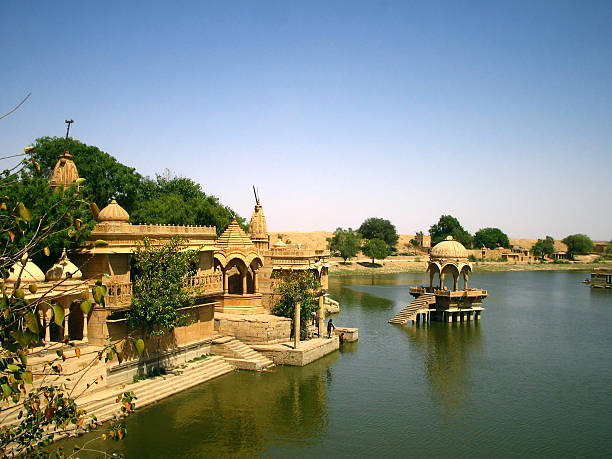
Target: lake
{"points": [[533, 378]]}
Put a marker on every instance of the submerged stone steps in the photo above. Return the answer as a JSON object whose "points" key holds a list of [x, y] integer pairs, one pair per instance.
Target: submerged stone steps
{"points": [[409, 313]]}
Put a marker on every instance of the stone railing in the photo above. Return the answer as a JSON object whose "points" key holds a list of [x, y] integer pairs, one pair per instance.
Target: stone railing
{"points": [[118, 295], [206, 283]]}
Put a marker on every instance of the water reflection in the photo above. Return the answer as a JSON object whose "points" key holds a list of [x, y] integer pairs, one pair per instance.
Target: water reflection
{"points": [[447, 350], [235, 415]]}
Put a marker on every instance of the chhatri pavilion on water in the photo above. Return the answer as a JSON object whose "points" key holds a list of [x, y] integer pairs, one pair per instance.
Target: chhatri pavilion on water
{"points": [[437, 302]]}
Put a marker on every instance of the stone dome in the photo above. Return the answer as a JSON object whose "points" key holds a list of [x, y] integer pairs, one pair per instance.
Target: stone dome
{"points": [[449, 248], [113, 213], [63, 269], [65, 172], [279, 244], [31, 272]]}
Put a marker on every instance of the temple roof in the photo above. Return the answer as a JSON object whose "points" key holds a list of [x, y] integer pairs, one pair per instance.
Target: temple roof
{"points": [[113, 213], [449, 248], [63, 269], [258, 221], [234, 236], [65, 171]]}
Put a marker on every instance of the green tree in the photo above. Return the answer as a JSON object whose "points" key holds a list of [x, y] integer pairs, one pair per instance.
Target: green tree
{"points": [[491, 238], [379, 228], [159, 288], [449, 226], [44, 408], [346, 242], [180, 201], [543, 247], [578, 244], [106, 178], [376, 248], [296, 286]]}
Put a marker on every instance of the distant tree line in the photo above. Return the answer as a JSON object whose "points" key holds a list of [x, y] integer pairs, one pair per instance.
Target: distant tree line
{"points": [[377, 238]]}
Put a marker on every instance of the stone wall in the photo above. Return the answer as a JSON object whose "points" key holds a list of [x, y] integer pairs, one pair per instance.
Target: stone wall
{"points": [[254, 328], [301, 356]]}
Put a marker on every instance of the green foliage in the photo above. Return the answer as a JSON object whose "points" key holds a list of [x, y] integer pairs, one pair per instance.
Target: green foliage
{"points": [[379, 228], [32, 219], [160, 275], [491, 238], [376, 248], [291, 287], [346, 242], [543, 247], [65, 214], [180, 201], [105, 177], [578, 244], [164, 200], [449, 226]]}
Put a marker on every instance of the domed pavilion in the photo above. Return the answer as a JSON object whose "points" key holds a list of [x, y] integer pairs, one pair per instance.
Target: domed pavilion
{"points": [[449, 257], [436, 302]]}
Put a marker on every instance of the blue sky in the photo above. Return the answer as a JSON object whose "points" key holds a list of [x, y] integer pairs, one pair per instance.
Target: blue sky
{"points": [[497, 113]]}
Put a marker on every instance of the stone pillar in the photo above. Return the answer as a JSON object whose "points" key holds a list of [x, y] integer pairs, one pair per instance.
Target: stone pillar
{"points": [[41, 316], [455, 282], [47, 324], [66, 315], [321, 324], [243, 274], [442, 281], [296, 324], [466, 276], [85, 339], [225, 281], [431, 276], [255, 282]]}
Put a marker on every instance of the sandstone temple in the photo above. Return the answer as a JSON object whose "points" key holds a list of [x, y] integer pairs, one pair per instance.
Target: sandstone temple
{"points": [[233, 285]]}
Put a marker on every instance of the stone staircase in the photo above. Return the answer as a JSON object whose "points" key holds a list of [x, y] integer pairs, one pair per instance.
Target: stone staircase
{"points": [[240, 355], [103, 404], [409, 313]]}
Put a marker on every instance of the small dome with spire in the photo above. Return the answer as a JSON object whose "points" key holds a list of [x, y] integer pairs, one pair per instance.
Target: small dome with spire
{"points": [[31, 272], [63, 269], [113, 213], [65, 172]]}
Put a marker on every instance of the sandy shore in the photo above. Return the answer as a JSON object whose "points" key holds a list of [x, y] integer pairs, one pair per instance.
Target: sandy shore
{"points": [[399, 265]]}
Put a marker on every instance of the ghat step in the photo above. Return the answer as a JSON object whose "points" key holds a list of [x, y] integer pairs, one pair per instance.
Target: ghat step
{"points": [[409, 313], [240, 355]]}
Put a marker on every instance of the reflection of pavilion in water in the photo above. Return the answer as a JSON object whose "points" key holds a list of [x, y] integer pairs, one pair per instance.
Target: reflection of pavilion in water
{"points": [[240, 413], [446, 354]]}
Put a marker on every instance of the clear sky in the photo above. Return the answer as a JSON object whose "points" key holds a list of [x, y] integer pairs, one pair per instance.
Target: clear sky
{"points": [[497, 113]]}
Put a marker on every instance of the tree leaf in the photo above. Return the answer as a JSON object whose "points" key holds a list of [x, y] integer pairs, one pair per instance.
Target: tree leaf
{"points": [[23, 212], [31, 322], [86, 307], [46, 251], [32, 288], [19, 293], [94, 210], [26, 376], [79, 181], [58, 314], [98, 294], [139, 345], [100, 243]]}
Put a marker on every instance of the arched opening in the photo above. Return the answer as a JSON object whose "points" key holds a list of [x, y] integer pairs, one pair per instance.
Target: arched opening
{"points": [[75, 321], [450, 272], [434, 269]]}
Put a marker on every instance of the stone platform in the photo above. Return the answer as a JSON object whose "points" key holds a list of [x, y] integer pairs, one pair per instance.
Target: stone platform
{"points": [[253, 328], [307, 351], [350, 334]]}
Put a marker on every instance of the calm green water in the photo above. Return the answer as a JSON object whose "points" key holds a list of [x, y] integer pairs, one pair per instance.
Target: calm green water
{"points": [[534, 378]]}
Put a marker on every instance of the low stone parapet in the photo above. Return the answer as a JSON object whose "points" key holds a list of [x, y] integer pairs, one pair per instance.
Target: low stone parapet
{"points": [[350, 334], [307, 351], [253, 328]]}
